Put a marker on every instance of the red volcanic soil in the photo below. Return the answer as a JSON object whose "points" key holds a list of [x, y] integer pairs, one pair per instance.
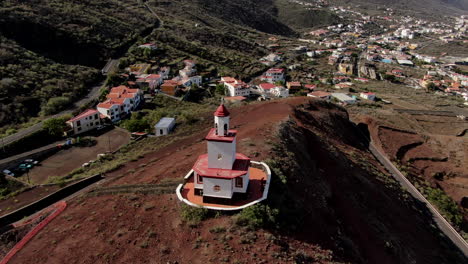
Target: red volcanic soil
{"points": [[135, 228], [426, 155], [343, 204]]}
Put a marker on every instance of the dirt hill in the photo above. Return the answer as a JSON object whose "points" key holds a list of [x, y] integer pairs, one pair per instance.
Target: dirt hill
{"points": [[329, 202]]}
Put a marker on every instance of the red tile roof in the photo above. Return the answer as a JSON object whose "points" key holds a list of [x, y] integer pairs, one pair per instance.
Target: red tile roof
{"points": [[267, 86], [221, 111], [86, 113], [275, 70], [111, 102], [239, 168], [213, 137]]}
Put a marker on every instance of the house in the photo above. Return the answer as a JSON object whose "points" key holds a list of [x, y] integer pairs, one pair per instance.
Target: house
{"points": [[149, 80], [235, 87], [363, 80], [273, 75], [279, 91], [344, 98], [405, 62], [320, 94], [131, 97], [294, 86], [265, 87], [164, 126], [112, 109], [368, 96], [169, 87], [310, 87], [342, 85], [86, 121], [222, 174]]}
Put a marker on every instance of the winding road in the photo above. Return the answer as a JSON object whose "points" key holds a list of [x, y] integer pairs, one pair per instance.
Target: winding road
{"points": [[443, 224]]}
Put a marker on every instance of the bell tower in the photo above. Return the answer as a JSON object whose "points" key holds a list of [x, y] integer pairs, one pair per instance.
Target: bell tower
{"points": [[221, 141], [221, 119]]}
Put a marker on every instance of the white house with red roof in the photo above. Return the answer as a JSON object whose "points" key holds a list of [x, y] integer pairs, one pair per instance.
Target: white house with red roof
{"points": [[222, 173], [273, 75], [86, 121], [112, 109], [131, 97], [235, 87]]}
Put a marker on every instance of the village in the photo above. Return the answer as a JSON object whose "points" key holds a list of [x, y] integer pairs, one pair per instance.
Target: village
{"points": [[347, 64], [180, 140]]}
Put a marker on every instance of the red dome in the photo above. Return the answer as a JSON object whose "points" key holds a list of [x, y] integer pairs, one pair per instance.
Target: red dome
{"points": [[221, 111]]}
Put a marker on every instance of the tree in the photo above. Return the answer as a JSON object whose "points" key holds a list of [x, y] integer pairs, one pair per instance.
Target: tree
{"points": [[56, 104], [431, 86], [137, 123], [220, 89], [55, 126]]}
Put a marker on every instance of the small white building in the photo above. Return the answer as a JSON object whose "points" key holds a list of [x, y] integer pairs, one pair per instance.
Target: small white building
{"points": [[344, 98], [86, 121], [368, 96], [164, 126]]}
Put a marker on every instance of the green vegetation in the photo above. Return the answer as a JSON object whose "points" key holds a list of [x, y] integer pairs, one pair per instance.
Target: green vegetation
{"points": [[56, 126], [446, 206], [193, 215], [258, 216], [43, 45]]}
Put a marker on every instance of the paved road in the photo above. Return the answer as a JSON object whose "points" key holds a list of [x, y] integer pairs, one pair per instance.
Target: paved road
{"points": [[93, 94], [445, 226]]}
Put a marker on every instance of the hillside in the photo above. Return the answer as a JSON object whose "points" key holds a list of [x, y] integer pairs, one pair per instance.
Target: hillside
{"points": [[49, 51], [330, 202]]}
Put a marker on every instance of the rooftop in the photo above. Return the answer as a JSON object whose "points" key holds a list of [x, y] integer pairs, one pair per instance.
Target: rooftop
{"points": [[255, 191], [239, 168], [231, 135], [84, 114], [221, 111], [165, 122]]}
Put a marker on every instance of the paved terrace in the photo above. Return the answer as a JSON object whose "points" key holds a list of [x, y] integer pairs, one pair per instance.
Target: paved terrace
{"points": [[185, 192]]}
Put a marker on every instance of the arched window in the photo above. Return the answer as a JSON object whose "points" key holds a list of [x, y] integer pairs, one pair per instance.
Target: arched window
{"points": [[216, 128], [225, 129], [220, 156], [216, 188]]}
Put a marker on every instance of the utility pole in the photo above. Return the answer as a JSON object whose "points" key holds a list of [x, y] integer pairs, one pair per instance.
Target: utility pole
{"points": [[27, 174], [109, 143]]}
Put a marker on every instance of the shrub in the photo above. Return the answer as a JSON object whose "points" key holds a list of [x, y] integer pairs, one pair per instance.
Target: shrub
{"points": [[193, 215], [258, 216], [447, 207], [55, 105]]}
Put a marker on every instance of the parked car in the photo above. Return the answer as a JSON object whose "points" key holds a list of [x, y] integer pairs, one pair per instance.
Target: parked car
{"points": [[25, 166], [31, 161], [8, 173]]}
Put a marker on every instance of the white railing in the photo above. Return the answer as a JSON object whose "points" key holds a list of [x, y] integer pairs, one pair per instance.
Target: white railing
{"points": [[264, 196]]}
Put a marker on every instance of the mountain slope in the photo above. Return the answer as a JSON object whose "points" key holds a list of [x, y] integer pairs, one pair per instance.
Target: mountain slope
{"points": [[329, 201]]}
